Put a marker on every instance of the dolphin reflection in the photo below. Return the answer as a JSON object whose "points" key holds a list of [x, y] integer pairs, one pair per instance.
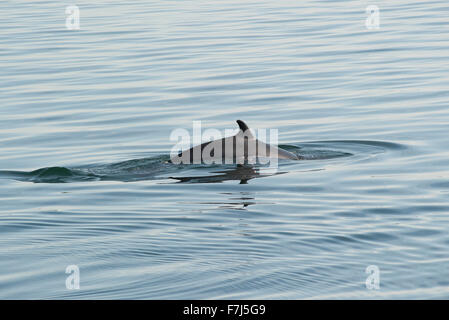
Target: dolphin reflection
{"points": [[244, 173]]}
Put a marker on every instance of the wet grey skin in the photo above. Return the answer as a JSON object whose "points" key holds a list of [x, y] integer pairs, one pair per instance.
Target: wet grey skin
{"points": [[240, 149]]}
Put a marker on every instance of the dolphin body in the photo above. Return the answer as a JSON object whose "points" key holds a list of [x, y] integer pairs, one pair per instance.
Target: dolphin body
{"points": [[241, 149]]}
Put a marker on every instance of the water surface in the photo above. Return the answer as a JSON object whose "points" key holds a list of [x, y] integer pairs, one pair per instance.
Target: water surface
{"points": [[85, 121]]}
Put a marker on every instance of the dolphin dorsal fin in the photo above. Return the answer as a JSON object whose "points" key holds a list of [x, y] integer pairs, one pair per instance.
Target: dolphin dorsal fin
{"points": [[244, 130], [242, 125]]}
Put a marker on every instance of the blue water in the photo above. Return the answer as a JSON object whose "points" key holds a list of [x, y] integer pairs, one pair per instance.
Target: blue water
{"points": [[85, 121]]}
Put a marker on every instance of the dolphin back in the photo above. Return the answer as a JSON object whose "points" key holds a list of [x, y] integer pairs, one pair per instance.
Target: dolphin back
{"points": [[218, 150]]}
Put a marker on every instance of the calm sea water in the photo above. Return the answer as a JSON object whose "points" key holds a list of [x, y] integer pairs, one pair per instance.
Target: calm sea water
{"points": [[85, 121]]}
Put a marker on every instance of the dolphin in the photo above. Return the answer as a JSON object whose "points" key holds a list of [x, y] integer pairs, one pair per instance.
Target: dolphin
{"points": [[241, 148]]}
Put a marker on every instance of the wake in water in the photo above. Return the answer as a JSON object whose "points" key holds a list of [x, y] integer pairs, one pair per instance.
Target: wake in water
{"points": [[159, 167]]}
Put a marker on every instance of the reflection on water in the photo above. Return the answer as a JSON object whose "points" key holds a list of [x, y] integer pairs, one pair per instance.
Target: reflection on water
{"points": [[242, 173], [235, 201]]}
